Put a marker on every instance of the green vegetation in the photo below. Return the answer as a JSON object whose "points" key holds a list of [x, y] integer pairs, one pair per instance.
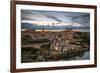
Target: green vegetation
{"points": [[47, 46], [28, 54], [81, 39], [26, 39]]}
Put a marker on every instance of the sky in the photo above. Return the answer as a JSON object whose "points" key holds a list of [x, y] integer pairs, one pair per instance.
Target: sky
{"points": [[54, 18]]}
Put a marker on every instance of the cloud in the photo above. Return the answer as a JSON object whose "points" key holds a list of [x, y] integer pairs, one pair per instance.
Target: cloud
{"points": [[75, 19]]}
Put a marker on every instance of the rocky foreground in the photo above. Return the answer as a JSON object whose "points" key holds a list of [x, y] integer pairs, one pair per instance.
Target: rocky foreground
{"points": [[43, 46]]}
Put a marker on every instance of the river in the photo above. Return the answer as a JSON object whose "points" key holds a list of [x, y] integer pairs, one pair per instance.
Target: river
{"points": [[86, 56]]}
